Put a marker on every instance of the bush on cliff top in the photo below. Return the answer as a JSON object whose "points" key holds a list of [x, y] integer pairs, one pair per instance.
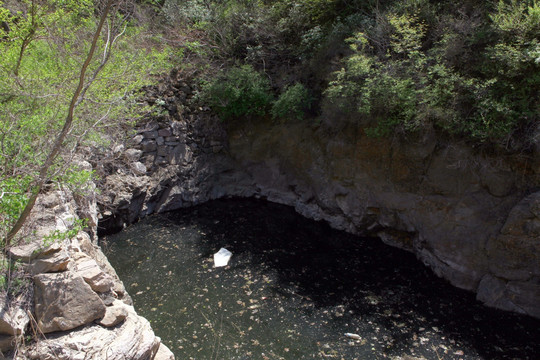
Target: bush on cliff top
{"points": [[468, 69], [401, 78], [240, 91]]}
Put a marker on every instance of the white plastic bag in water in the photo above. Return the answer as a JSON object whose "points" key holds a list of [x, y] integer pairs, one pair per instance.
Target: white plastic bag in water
{"points": [[222, 257]]}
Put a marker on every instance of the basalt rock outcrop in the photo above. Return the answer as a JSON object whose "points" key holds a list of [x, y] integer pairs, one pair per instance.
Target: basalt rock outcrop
{"points": [[473, 218], [72, 304]]}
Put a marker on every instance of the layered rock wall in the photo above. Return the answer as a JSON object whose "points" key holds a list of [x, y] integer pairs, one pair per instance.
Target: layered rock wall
{"points": [[472, 218], [72, 305]]}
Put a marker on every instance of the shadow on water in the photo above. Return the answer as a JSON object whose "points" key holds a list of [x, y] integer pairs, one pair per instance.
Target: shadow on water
{"points": [[295, 286]]}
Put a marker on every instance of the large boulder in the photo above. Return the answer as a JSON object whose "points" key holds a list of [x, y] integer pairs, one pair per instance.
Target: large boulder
{"points": [[115, 314], [133, 340], [52, 259], [65, 301], [91, 272]]}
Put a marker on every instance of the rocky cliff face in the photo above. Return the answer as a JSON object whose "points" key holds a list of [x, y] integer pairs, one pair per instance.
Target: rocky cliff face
{"points": [[72, 305], [472, 218]]}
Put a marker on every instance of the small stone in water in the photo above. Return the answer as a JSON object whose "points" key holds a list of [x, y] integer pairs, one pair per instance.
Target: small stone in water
{"points": [[353, 336]]}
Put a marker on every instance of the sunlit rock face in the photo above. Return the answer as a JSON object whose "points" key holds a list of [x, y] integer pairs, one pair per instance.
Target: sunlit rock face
{"points": [[467, 215]]}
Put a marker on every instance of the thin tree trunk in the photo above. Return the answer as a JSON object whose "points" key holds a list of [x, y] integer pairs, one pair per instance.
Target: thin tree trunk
{"points": [[27, 39], [61, 136]]}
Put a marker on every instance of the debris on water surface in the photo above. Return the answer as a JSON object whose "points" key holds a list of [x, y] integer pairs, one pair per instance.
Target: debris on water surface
{"points": [[222, 257], [315, 291]]}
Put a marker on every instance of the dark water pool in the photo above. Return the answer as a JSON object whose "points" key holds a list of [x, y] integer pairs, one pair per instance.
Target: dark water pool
{"points": [[294, 287]]}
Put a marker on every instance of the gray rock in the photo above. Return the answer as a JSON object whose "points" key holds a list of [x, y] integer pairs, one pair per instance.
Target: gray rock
{"points": [[89, 270], [51, 262], [137, 139], [13, 319], [150, 134], [164, 353], [118, 149], [25, 252], [178, 127], [165, 132], [64, 301], [149, 146], [163, 150], [500, 294], [133, 340], [114, 314], [133, 154], [138, 168], [498, 182], [177, 155], [161, 160], [514, 252]]}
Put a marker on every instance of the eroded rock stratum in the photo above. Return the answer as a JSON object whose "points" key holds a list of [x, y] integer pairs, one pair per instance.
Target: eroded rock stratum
{"points": [[73, 305], [472, 218]]}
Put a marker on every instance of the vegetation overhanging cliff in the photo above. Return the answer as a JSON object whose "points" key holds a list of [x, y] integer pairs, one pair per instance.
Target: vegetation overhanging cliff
{"points": [[412, 118]]}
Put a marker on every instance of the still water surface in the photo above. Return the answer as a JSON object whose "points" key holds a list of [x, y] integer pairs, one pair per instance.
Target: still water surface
{"points": [[294, 288]]}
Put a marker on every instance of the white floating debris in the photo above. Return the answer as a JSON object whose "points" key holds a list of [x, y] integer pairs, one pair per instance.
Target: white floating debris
{"points": [[353, 336], [222, 257]]}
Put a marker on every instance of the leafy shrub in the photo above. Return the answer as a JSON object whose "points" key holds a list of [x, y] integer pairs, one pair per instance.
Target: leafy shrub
{"points": [[386, 92], [193, 12], [401, 85], [293, 102], [13, 198], [238, 92], [57, 235]]}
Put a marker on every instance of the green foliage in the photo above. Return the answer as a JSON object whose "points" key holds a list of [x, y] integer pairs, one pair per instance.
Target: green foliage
{"points": [[466, 69], [517, 18], [75, 178], [386, 92], [398, 85], [8, 282], [13, 197], [192, 12], [293, 102], [60, 235], [41, 58], [238, 92]]}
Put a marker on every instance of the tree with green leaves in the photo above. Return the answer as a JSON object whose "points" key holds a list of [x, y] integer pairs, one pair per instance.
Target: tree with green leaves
{"points": [[59, 90]]}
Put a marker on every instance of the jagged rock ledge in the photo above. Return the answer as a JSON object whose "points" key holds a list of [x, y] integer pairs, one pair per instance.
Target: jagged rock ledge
{"points": [[473, 218], [74, 305]]}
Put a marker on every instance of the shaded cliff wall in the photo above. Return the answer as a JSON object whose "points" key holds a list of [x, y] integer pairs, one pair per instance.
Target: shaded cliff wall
{"points": [[474, 219]]}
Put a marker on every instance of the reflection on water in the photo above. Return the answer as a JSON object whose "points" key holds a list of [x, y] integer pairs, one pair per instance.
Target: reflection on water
{"points": [[294, 287]]}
